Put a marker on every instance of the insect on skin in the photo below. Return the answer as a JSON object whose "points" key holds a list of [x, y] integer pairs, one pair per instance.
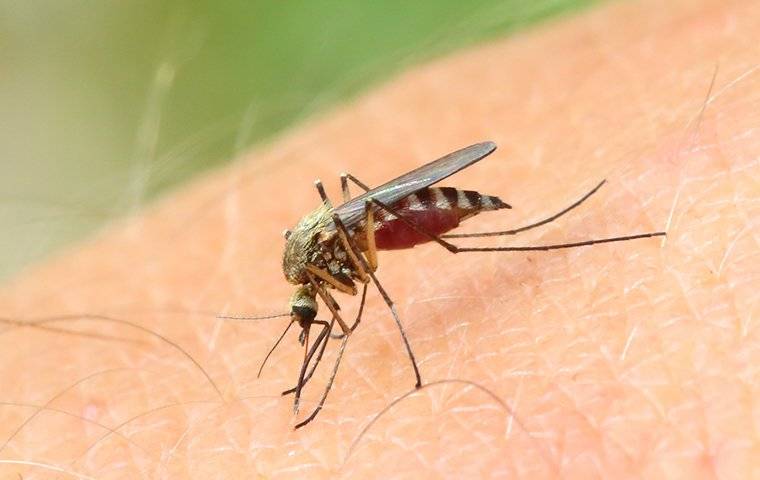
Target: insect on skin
{"points": [[334, 249]]}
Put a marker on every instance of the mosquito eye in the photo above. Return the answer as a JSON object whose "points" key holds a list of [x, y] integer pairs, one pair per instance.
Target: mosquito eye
{"points": [[305, 314], [286, 234]]}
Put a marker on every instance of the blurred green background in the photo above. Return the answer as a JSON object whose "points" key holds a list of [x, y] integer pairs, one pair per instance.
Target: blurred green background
{"points": [[106, 104]]}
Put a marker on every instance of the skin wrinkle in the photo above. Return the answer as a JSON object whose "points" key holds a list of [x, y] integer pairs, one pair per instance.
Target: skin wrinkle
{"points": [[563, 327], [59, 395], [129, 421], [43, 408], [595, 427]]}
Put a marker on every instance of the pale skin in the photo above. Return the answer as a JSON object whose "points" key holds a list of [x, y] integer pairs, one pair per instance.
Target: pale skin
{"points": [[635, 359]]}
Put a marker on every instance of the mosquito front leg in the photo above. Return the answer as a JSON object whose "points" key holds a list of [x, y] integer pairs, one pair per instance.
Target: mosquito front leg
{"points": [[307, 359], [327, 277], [329, 385], [327, 299], [320, 339]]}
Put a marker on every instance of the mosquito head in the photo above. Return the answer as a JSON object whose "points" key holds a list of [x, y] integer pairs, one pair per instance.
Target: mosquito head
{"points": [[303, 305]]}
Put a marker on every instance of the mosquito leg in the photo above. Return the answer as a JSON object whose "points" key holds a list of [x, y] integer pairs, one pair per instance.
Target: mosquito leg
{"points": [[344, 178], [358, 315], [327, 277], [329, 385], [328, 300], [305, 341], [358, 182], [323, 341], [372, 251], [353, 253], [559, 246], [299, 383], [386, 297], [307, 360], [370, 232], [322, 194], [344, 188], [455, 249], [532, 225], [392, 307]]}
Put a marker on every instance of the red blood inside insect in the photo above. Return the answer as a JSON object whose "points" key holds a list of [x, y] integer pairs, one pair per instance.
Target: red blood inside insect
{"points": [[394, 234], [434, 210]]}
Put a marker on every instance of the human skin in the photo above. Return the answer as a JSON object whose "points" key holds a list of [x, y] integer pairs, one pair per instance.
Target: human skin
{"points": [[635, 359]]}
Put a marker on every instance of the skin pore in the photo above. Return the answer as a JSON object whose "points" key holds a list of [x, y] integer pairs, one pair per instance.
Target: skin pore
{"points": [[635, 359]]}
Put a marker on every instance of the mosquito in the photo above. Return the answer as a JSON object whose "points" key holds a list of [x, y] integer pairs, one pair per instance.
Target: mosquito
{"points": [[334, 249]]}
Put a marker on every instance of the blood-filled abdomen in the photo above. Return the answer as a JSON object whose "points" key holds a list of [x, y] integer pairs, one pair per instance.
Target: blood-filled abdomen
{"points": [[432, 210]]}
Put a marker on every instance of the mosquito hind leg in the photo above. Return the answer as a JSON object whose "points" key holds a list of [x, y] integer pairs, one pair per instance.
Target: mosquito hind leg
{"points": [[455, 249], [532, 225]]}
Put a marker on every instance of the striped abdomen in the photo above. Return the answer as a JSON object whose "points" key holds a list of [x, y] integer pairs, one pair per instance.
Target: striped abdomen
{"points": [[435, 210]]}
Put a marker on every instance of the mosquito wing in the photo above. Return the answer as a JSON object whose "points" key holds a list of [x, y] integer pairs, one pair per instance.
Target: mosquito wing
{"points": [[388, 193]]}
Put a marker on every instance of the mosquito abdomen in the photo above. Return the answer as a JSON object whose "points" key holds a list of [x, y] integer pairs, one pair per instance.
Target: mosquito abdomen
{"points": [[435, 210]]}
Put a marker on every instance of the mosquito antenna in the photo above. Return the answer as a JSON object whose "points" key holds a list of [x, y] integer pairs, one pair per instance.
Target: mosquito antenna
{"points": [[561, 245], [273, 349], [532, 225], [265, 317]]}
